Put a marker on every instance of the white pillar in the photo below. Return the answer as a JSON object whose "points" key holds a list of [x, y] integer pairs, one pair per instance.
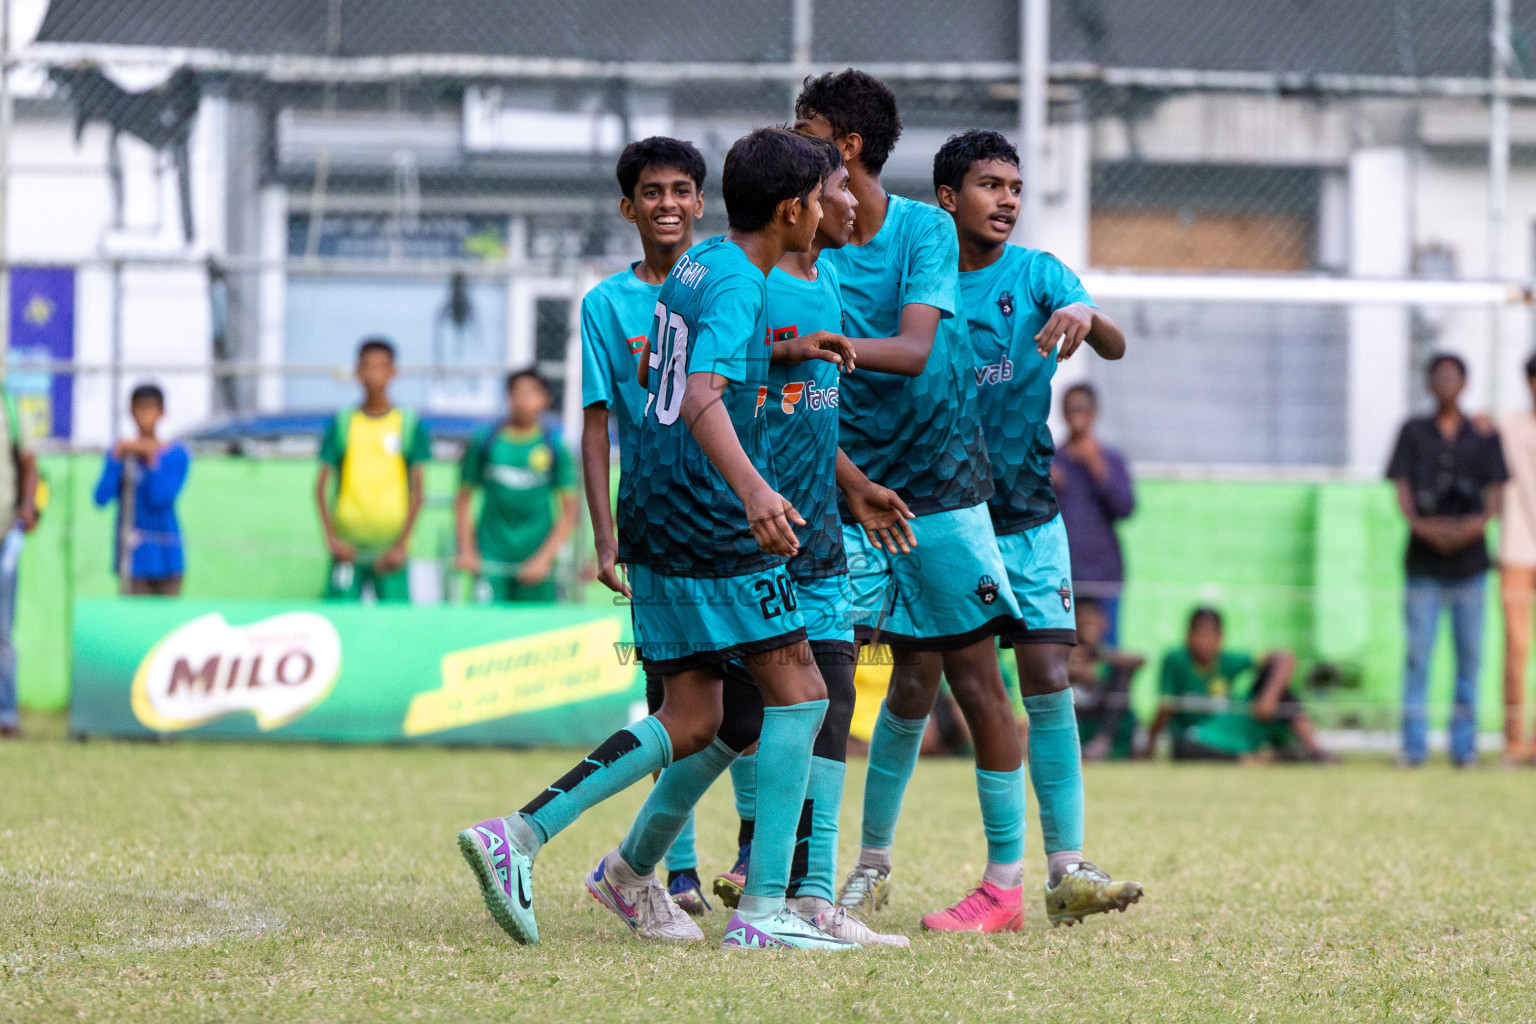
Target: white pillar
{"points": [[1380, 244]]}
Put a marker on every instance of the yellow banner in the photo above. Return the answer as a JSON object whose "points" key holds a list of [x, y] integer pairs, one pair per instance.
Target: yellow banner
{"points": [[513, 677]]}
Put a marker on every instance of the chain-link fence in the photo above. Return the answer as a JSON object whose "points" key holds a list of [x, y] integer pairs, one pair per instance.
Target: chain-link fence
{"points": [[231, 195], [1288, 206]]}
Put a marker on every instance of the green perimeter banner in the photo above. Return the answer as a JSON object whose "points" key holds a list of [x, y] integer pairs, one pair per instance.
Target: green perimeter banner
{"points": [[509, 675]]}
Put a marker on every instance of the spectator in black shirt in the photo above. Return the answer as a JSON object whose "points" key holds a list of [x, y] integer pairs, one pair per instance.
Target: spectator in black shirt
{"points": [[1447, 474]]}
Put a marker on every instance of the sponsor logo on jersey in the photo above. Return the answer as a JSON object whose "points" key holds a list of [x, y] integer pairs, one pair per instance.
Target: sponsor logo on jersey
{"points": [[1005, 303], [1064, 591], [994, 373], [986, 589], [522, 478], [815, 398], [762, 396]]}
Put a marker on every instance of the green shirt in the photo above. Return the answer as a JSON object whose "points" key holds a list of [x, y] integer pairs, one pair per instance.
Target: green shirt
{"points": [[520, 473], [1201, 694]]}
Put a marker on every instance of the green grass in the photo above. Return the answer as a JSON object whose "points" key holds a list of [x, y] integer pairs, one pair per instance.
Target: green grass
{"points": [[200, 882]]}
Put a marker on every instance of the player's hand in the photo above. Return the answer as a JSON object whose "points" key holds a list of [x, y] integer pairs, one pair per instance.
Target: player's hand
{"points": [[608, 569], [468, 561], [391, 560], [340, 550], [883, 516], [770, 518], [834, 348], [535, 570], [1068, 325], [27, 517]]}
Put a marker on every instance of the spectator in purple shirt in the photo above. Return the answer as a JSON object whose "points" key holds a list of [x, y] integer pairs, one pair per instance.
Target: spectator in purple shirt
{"points": [[1093, 488]]}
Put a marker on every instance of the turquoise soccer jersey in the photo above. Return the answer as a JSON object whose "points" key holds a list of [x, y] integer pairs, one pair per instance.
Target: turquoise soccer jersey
{"points": [[919, 435], [616, 316], [678, 515], [1006, 304], [801, 410]]}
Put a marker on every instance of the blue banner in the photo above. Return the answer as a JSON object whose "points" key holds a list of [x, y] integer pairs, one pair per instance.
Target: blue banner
{"points": [[42, 329]]}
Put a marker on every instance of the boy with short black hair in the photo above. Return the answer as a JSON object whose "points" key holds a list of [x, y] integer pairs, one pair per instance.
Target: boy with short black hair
{"points": [[661, 185], [799, 402], [912, 426], [523, 472], [1448, 474], [705, 536], [1224, 705], [146, 514], [376, 451], [1026, 312]]}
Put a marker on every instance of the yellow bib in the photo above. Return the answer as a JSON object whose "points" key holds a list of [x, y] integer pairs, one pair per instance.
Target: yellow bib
{"points": [[373, 494]]}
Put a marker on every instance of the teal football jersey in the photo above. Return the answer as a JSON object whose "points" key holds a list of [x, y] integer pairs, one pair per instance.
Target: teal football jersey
{"points": [[615, 319], [801, 410], [919, 436], [678, 515], [1006, 304]]}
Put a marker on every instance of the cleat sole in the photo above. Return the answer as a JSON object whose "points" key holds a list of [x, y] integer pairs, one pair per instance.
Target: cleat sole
{"points": [[496, 903], [727, 892]]}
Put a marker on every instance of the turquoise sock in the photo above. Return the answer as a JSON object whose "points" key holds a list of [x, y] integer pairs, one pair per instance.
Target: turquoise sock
{"points": [[1056, 769], [744, 782], [784, 768], [683, 855], [624, 758], [670, 806], [892, 757], [815, 865], [1002, 813]]}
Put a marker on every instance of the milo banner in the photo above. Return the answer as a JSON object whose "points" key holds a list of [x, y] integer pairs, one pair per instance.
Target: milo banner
{"points": [[536, 674]]}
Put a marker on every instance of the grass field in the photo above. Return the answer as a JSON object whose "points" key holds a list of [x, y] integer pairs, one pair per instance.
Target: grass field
{"points": [[198, 882]]}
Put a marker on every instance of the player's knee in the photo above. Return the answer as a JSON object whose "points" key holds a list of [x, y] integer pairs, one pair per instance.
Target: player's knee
{"points": [[983, 695], [1041, 673], [691, 729]]}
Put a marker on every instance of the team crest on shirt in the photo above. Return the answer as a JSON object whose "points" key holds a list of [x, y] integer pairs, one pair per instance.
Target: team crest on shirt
{"points": [[986, 589], [541, 458], [1005, 303], [1065, 593]]}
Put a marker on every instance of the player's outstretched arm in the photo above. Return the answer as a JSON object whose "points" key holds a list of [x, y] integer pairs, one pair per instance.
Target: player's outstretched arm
{"points": [[879, 511], [768, 515], [1072, 325], [833, 348], [905, 355]]}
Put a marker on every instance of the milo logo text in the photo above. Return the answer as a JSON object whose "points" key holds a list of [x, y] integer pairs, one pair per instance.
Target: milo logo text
{"points": [[276, 668]]}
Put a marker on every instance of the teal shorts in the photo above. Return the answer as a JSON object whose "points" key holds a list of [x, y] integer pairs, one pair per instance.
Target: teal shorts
{"points": [[1040, 576], [948, 593], [825, 605], [686, 622]]}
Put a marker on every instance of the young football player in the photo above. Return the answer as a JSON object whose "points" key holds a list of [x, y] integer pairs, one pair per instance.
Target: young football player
{"points": [[1026, 312], [661, 184], [799, 401], [913, 427], [705, 537]]}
